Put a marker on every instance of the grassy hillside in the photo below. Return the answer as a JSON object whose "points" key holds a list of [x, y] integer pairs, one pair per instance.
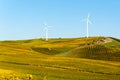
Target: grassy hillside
{"points": [[94, 58], [99, 52]]}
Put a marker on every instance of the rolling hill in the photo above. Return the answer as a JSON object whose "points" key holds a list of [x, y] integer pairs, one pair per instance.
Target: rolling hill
{"points": [[94, 58]]}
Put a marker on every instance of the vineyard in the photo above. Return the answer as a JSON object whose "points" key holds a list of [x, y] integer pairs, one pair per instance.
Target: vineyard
{"points": [[99, 52]]}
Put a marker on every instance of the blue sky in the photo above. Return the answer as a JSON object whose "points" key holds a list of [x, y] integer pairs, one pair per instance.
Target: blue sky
{"points": [[24, 19]]}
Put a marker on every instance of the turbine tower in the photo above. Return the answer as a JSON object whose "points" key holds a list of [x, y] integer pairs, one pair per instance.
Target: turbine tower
{"points": [[46, 32], [87, 24]]}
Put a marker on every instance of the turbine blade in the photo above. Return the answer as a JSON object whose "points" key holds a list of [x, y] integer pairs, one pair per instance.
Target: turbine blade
{"points": [[89, 21]]}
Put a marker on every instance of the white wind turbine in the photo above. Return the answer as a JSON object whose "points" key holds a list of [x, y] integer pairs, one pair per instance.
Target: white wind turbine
{"points": [[87, 24], [46, 32]]}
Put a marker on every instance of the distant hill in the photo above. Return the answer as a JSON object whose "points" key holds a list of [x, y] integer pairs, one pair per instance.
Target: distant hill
{"points": [[100, 48]]}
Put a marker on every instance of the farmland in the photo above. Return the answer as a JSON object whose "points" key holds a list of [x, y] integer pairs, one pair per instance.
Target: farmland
{"points": [[94, 58]]}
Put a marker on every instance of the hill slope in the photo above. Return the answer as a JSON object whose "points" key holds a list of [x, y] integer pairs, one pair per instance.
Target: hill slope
{"points": [[108, 50], [92, 58], [99, 48]]}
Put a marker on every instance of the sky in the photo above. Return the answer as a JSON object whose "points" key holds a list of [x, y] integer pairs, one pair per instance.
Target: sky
{"points": [[24, 19]]}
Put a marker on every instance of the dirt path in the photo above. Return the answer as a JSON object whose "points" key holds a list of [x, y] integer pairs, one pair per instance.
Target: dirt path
{"points": [[71, 69]]}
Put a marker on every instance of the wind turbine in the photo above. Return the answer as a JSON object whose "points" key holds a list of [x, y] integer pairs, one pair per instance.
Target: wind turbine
{"points": [[46, 32], [87, 24]]}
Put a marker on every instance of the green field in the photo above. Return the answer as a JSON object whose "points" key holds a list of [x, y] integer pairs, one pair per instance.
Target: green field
{"points": [[94, 58]]}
